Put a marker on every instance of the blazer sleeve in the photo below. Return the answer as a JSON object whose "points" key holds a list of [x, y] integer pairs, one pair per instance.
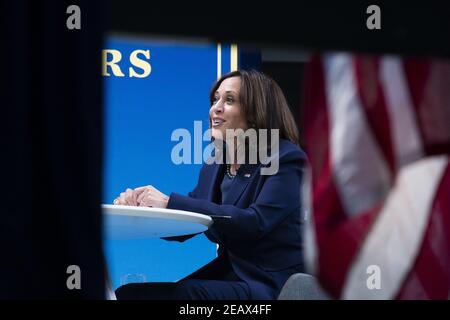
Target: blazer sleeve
{"points": [[279, 197], [192, 194]]}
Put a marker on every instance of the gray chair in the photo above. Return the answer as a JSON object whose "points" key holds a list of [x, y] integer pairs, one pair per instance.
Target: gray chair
{"points": [[302, 286]]}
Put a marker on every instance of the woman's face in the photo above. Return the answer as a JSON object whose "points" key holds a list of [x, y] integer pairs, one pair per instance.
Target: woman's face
{"points": [[226, 111]]}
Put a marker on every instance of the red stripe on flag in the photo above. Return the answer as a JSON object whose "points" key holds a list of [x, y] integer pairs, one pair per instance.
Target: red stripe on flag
{"points": [[429, 86], [367, 76], [430, 275], [328, 212], [339, 250], [337, 236]]}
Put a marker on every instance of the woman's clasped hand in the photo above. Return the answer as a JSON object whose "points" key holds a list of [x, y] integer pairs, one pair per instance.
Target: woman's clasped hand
{"points": [[146, 196]]}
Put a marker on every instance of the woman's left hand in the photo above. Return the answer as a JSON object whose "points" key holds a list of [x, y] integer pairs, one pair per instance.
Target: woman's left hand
{"points": [[149, 196]]}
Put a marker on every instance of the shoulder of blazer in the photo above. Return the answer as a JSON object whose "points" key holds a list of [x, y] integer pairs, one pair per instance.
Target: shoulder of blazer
{"points": [[289, 151], [208, 170], [208, 167]]}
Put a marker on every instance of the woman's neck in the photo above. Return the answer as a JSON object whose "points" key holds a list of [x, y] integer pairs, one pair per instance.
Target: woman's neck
{"points": [[234, 167]]}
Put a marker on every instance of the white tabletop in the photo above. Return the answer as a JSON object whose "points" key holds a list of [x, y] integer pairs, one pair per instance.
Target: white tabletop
{"points": [[129, 222]]}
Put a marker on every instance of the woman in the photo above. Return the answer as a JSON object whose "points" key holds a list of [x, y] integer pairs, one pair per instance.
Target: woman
{"points": [[260, 246]]}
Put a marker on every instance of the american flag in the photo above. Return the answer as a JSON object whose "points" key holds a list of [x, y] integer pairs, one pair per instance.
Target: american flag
{"points": [[377, 133]]}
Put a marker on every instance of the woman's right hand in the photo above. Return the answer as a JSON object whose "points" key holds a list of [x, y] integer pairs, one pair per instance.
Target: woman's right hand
{"points": [[127, 198]]}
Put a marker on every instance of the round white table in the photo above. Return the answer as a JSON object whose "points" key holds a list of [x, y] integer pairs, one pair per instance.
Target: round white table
{"points": [[129, 222]]}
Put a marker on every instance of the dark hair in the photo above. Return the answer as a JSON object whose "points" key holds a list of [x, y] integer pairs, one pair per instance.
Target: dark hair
{"points": [[263, 103]]}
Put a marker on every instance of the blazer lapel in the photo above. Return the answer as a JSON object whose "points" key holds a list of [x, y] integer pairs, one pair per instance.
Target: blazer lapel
{"points": [[240, 182], [216, 177]]}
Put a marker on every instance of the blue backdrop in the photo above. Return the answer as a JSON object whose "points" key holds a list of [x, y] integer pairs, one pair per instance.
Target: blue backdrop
{"points": [[140, 115]]}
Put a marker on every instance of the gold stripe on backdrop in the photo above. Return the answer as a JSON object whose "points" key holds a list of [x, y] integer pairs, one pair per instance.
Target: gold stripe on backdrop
{"points": [[234, 57], [219, 61]]}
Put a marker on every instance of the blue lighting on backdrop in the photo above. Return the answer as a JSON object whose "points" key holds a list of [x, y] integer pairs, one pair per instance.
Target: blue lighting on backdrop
{"points": [[140, 116]]}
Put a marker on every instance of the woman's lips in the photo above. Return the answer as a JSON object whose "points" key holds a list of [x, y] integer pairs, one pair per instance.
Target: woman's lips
{"points": [[217, 122]]}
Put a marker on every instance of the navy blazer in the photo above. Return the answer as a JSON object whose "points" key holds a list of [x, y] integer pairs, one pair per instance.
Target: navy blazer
{"points": [[263, 238]]}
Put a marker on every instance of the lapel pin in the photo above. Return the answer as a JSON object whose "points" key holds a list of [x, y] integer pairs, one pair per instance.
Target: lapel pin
{"points": [[247, 175]]}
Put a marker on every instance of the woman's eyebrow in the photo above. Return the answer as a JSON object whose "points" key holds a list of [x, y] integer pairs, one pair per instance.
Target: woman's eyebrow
{"points": [[228, 91]]}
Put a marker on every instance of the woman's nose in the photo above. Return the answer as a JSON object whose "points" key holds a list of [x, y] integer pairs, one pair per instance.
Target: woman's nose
{"points": [[218, 107]]}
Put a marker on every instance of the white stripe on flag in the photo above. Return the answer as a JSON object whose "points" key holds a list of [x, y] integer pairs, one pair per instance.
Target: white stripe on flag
{"points": [[310, 244], [396, 236], [407, 142], [359, 169]]}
